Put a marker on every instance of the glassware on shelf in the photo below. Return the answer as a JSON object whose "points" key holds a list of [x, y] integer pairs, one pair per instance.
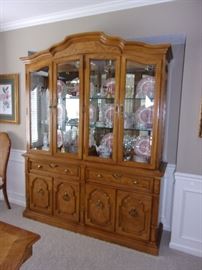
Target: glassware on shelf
{"points": [[45, 141], [109, 115], [103, 150], [101, 120]]}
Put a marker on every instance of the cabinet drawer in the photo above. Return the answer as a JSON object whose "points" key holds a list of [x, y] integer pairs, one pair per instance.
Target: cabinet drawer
{"points": [[54, 167], [141, 183]]}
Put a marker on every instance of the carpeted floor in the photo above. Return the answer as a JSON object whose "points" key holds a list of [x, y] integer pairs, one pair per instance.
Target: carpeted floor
{"points": [[63, 250]]}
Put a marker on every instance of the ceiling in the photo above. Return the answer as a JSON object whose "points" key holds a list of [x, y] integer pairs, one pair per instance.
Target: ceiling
{"points": [[16, 14]]}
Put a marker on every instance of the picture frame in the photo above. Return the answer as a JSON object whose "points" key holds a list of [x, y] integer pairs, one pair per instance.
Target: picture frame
{"points": [[200, 123], [9, 98]]}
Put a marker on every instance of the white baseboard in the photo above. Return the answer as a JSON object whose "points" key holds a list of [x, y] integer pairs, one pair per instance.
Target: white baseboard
{"points": [[16, 178], [186, 230]]}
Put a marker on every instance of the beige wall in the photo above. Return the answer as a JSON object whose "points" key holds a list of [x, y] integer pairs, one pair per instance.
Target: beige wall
{"points": [[178, 17]]}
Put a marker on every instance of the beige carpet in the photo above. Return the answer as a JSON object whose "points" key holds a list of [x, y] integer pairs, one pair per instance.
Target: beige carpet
{"points": [[63, 250]]}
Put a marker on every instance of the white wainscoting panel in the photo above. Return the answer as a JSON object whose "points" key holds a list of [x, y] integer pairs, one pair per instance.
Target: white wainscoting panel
{"points": [[166, 197], [16, 178], [186, 232]]}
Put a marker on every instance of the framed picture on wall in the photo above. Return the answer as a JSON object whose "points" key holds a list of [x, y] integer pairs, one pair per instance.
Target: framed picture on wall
{"points": [[200, 123], [9, 98]]}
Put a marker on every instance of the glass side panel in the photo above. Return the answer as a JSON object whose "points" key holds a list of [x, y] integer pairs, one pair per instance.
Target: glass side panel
{"points": [[68, 101], [101, 108], [39, 107], [138, 112]]}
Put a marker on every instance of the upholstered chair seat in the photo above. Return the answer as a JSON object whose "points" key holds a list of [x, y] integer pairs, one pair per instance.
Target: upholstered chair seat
{"points": [[5, 146]]}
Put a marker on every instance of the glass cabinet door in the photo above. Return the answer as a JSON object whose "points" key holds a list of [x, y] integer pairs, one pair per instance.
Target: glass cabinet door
{"points": [[69, 95], [137, 111], [40, 109], [101, 109]]}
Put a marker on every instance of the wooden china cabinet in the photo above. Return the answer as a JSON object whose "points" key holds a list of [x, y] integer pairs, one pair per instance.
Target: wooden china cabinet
{"points": [[95, 128]]}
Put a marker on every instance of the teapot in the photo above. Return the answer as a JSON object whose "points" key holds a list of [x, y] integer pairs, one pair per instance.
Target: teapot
{"points": [[103, 150]]}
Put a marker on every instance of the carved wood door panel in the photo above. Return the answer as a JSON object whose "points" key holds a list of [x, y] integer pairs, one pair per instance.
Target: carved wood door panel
{"points": [[40, 191], [133, 214], [100, 207], [66, 200]]}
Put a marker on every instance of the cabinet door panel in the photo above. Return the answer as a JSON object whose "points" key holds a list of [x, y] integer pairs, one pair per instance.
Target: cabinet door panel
{"points": [[101, 89], [100, 203], [133, 215], [40, 191], [139, 115], [40, 103], [66, 200], [69, 102]]}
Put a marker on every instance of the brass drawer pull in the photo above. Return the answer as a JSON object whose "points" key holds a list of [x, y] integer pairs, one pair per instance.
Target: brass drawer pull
{"points": [[67, 171], [117, 175], [41, 191], [53, 165], [66, 197], [135, 182], [99, 175], [99, 204], [39, 166], [133, 212]]}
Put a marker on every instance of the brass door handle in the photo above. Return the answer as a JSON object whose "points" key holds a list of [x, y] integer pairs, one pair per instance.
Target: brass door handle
{"points": [[39, 166], [67, 171], [133, 212], [41, 191], [99, 204], [53, 165], [121, 109], [99, 175], [135, 182], [66, 197], [117, 175]]}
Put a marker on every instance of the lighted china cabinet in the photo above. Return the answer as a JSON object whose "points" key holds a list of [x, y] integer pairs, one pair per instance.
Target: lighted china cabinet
{"points": [[95, 128]]}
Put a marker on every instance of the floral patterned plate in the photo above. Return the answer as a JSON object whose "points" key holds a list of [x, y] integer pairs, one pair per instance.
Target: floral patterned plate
{"points": [[146, 87]]}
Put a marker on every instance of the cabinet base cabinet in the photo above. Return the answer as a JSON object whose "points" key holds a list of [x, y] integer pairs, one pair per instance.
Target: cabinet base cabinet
{"points": [[105, 211]]}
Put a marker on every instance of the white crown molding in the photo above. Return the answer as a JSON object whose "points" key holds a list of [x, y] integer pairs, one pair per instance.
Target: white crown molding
{"points": [[90, 10]]}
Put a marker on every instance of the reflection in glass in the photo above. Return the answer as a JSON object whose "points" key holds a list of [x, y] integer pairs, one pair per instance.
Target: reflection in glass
{"points": [[68, 92], [39, 109], [138, 112], [101, 108]]}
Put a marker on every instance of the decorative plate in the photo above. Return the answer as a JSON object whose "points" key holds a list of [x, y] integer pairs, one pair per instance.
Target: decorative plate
{"points": [[142, 146], [108, 88], [92, 114], [143, 117], [108, 140], [146, 87]]}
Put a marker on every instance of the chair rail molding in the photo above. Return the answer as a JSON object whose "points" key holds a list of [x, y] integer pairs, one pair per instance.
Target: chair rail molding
{"points": [[186, 231], [16, 177]]}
